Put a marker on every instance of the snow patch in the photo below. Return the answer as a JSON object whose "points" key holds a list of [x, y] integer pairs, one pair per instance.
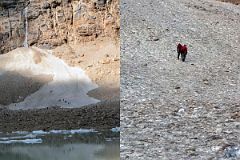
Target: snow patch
{"points": [[78, 131], [39, 132]]}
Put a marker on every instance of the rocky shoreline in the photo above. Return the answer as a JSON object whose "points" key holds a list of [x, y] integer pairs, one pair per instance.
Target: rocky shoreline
{"points": [[101, 116]]}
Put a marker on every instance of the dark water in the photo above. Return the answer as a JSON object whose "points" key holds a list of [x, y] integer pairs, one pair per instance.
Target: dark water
{"points": [[88, 146]]}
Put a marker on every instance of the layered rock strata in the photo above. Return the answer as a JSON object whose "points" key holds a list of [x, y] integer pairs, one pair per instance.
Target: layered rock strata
{"points": [[52, 23]]}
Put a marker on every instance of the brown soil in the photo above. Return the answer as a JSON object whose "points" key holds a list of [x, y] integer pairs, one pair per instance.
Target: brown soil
{"points": [[101, 61], [237, 2]]}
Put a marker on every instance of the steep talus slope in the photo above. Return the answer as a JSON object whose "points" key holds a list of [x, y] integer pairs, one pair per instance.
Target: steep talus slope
{"points": [[171, 109]]}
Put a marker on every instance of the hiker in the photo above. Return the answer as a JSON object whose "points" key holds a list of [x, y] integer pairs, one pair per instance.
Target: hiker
{"points": [[182, 49]]}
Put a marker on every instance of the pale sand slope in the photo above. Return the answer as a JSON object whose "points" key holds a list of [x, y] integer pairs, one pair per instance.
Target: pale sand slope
{"points": [[29, 69], [101, 61]]}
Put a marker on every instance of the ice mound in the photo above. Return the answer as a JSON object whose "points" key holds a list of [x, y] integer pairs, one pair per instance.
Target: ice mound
{"points": [[116, 129], [36, 136], [48, 80], [26, 141], [73, 131]]}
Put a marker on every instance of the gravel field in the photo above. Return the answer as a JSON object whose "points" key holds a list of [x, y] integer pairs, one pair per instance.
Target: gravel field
{"points": [[175, 110]]}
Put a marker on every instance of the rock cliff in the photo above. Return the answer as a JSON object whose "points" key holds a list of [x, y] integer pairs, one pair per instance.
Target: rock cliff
{"points": [[51, 23]]}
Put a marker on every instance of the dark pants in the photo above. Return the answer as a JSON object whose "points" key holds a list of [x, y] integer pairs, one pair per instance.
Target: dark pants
{"points": [[183, 56], [178, 55]]}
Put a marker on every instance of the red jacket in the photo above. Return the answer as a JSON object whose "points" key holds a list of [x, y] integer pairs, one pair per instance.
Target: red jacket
{"points": [[184, 49], [179, 47]]}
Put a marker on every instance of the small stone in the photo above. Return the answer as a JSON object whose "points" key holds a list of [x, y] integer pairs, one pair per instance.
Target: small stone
{"points": [[105, 61], [235, 115], [177, 87], [133, 31], [232, 152], [116, 59], [216, 148], [205, 81], [46, 5]]}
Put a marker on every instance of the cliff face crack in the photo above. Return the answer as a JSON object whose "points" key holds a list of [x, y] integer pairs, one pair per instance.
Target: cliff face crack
{"points": [[25, 43]]}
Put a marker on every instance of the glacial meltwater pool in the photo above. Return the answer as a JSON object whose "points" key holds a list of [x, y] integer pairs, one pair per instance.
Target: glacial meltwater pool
{"points": [[60, 145]]}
